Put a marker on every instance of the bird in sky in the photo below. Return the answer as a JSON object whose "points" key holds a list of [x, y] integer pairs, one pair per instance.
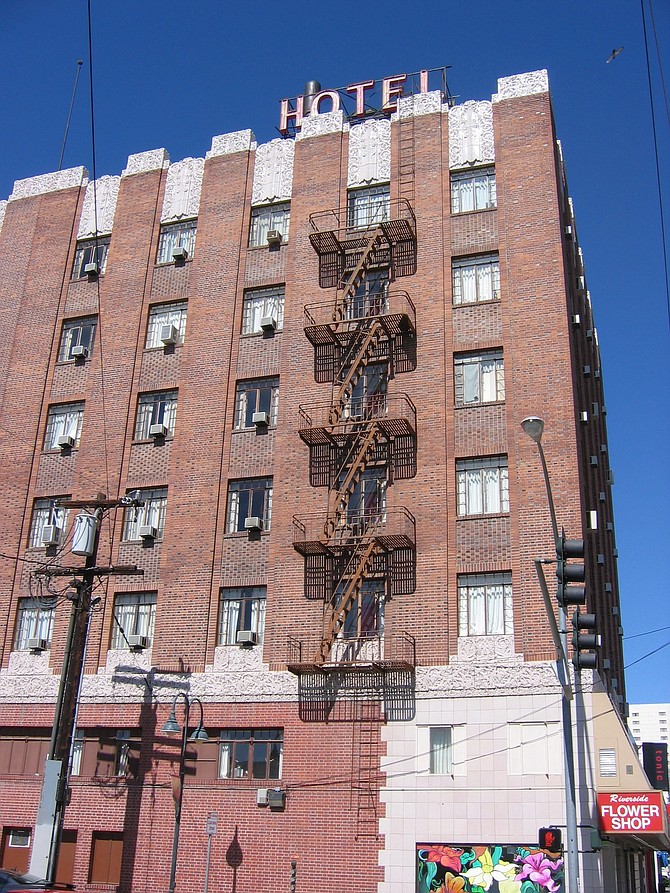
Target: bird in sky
{"points": [[615, 53]]}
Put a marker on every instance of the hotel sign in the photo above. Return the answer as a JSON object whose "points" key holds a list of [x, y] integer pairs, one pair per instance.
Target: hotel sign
{"points": [[626, 813]]}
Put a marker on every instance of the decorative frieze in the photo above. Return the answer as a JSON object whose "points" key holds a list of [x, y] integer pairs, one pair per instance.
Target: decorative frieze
{"points": [[155, 159], [100, 198], [229, 143], [418, 104], [319, 125], [3, 208], [182, 189], [54, 182], [522, 85], [369, 153], [273, 172], [471, 134]]}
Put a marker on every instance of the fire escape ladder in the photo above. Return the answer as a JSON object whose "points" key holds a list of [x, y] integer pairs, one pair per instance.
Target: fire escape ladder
{"points": [[350, 281], [354, 466], [406, 172], [362, 350], [365, 776]]}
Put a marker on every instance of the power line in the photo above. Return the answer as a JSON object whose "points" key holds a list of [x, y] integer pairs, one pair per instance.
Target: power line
{"points": [[645, 656]]}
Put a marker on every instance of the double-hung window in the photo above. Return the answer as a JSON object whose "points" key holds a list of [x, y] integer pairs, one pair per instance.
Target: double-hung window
{"points": [[90, 251], [482, 485], [159, 408], [134, 615], [251, 753], [162, 319], [256, 395], [64, 425], [371, 297], [479, 377], [149, 517], [473, 190], [34, 620], [369, 206], [485, 604], [47, 524], [77, 338], [241, 609], [261, 305], [267, 218], [250, 498], [475, 280], [176, 235], [365, 617]]}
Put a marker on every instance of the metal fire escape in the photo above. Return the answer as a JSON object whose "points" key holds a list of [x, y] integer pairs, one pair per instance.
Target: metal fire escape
{"points": [[360, 442]]}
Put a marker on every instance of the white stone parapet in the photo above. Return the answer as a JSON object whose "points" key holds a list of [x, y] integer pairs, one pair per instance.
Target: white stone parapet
{"points": [[53, 182]]}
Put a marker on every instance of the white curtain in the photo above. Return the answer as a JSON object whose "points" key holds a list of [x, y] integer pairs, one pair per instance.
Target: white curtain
{"points": [[440, 750]]}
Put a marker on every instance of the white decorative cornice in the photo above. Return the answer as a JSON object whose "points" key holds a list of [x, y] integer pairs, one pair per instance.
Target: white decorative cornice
{"points": [[101, 194], [522, 85], [462, 679], [154, 160], [3, 208], [319, 125], [273, 172], [182, 189], [471, 134], [72, 177], [229, 143], [418, 104], [369, 153]]}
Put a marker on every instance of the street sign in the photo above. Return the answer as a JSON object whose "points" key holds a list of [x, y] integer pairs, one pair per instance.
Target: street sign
{"points": [[212, 823]]}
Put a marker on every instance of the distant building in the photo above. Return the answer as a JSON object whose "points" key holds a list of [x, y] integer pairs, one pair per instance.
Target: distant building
{"points": [[649, 722]]}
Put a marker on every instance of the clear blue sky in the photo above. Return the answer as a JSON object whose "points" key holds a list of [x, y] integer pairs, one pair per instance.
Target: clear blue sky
{"points": [[173, 74]]}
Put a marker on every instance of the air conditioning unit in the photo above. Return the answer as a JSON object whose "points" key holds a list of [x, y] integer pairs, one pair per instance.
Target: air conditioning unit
{"points": [[169, 334], [274, 237], [584, 416], [262, 797], [92, 270], [65, 441], [148, 532], [268, 324], [79, 352], [179, 253], [568, 231], [276, 798], [51, 534], [576, 319], [261, 419], [38, 645], [247, 637], [137, 643], [253, 523], [158, 430]]}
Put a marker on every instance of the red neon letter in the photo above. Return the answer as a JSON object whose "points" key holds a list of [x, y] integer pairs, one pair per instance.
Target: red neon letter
{"points": [[359, 90], [392, 87], [423, 81], [287, 113]]}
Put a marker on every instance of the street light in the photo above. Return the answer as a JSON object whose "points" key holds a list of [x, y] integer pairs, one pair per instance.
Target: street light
{"points": [[534, 427], [172, 727]]}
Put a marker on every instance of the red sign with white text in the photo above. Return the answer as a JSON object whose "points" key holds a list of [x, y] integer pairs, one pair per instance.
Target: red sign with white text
{"points": [[631, 812]]}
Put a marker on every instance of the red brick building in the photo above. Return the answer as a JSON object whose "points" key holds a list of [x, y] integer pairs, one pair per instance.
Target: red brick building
{"points": [[309, 360]]}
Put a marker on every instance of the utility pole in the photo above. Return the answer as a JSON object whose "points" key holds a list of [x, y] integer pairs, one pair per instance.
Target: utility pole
{"points": [[55, 790]]}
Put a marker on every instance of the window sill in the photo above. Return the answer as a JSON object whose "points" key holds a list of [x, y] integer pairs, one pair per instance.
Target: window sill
{"points": [[261, 334], [142, 542], [171, 263], [253, 428], [479, 405], [167, 439], [267, 247], [165, 348], [484, 515], [476, 304], [474, 211], [233, 534]]}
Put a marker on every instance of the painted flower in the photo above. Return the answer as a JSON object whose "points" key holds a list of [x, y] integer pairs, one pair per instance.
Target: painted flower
{"points": [[452, 884], [449, 857], [539, 869], [487, 871]]}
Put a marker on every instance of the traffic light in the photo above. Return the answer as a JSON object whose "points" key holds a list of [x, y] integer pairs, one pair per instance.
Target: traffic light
{"points": [[567, 574], [550, 839], [583, 657]]}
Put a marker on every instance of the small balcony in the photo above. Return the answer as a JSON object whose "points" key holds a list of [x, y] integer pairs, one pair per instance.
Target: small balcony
{"points": [[328, 323], [391, 530], [383, 653]]}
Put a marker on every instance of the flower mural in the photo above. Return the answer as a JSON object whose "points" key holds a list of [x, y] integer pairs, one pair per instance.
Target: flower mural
{"points": [[494, 868]]}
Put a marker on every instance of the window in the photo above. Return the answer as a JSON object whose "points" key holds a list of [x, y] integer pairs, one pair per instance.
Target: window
{"points": [[176, 235], [86, 252], [485, 604], [257, 395], [475, 279], [122, 752], [534, 748], [249, 499], [106, 854], [479, 377], [151, 514], [34, 620], [368, 498], [76, 752], [365, 618], [242, 608], [370, 297], [440, 750], [64, 420], [260, 304], [483, 486], [368, 397], [607, 762], [159, 408], [134, 615], [161, 315], [251, 753], [266, 218], [473, 190], [77, 333], [47, 525], [369, 206]]}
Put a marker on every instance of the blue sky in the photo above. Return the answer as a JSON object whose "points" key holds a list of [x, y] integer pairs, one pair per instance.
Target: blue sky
{"points": [[173, 74]]}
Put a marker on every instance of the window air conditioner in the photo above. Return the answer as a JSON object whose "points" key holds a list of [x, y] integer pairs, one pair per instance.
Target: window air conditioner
{"points": [[38, 645], [92, 270], [584, 416], [568, 231], [261, 419], [65, 441], [253, 523], [268, 324], [51, 535], [158, 430], [169, 334], [179, 253], [276, 798], [247, 637], [137, 643], [576, 319], [148, 532], [274, 237], [79, 352], [262, 797]]}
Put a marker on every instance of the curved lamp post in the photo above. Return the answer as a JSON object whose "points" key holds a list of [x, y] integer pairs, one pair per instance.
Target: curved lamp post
{"points": [[534, 427], [172, 727]]}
